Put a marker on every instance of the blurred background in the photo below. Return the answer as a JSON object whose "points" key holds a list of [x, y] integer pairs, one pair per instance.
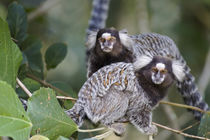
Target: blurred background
{"points": [[186, 22]]}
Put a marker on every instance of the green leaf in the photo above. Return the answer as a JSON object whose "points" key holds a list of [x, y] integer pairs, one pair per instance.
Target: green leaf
{"points": [[17, 21], [204, 127], [32, 49], [13, 118], [10, 55], [48, 117], [30, 84], [39, 137], [55, 54]]}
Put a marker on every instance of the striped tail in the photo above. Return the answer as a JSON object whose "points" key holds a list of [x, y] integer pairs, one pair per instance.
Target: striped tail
{"points": [[98, 15], [190, 94]]}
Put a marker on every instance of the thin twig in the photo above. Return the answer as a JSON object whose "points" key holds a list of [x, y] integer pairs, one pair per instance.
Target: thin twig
{"points": [[190, 126], [90, 130], [44, 83], [24, 87], [179, 132], [66, 98], [183, 106]]}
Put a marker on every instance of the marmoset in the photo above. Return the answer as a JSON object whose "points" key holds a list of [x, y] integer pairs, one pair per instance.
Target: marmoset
{"points": [[108, 46], [122, 92]]}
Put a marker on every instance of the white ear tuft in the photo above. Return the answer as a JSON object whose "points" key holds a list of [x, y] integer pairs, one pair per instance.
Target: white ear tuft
{"points": [[178, 70], [91, 39], [126, 40], [142, 61]]}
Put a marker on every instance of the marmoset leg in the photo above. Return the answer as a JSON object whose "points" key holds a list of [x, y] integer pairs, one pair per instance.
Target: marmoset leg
{"points": [[142, 120]]}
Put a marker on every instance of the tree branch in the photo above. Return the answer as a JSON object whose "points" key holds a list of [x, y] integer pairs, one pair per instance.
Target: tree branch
{"points": [[44, 83]]}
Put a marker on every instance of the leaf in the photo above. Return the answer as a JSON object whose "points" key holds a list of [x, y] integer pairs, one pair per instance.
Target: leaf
{"points": [[30, 84], [32, 49], [39, 137], [48, 117], [55, 54], [10, 55], [13, 118], [204, 127], [17, 21]]}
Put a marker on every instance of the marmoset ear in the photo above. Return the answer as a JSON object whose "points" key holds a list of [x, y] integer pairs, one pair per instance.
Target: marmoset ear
{"points": [[178, 70], [91, 39], [142, 61], [126, 40]]}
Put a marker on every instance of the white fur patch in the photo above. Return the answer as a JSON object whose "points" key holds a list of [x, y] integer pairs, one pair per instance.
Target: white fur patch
{"points": [[126, 40], [178, 70], [160, 66], [142, 61], [106, 35], [91, 39]]}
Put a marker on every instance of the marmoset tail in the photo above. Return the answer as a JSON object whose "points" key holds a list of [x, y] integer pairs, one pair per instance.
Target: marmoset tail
{"points": [[98, 15]]}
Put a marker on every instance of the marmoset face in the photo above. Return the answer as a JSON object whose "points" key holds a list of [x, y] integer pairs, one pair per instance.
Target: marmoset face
{"points": [[106, 42]]}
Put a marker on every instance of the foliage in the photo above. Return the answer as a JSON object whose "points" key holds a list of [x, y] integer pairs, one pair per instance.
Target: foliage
{"points": [[20, 55], [13, 118], [10, 56], [54, 121]]}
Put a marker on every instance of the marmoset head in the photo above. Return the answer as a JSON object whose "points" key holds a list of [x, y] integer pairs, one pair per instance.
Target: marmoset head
{"points": [[109, 41], [160, 70]]}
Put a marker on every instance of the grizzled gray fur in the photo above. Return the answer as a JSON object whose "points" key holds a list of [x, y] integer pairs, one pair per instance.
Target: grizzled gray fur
{"points": [[114, 94], [134, 46]]}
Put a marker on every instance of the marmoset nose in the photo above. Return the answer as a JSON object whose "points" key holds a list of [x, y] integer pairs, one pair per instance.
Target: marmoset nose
{"points": [[107, 43]]}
